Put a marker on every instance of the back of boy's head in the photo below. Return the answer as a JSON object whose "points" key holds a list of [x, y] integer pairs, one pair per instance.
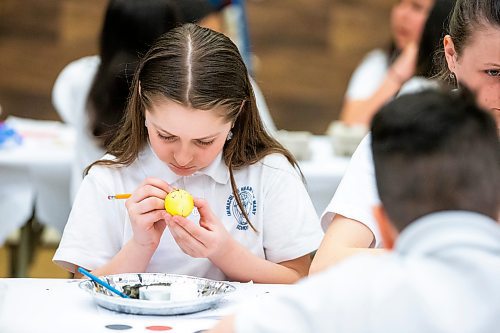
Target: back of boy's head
{"points": [[435, 151]]}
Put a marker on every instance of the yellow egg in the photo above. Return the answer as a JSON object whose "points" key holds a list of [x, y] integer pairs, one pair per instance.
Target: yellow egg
{"points": [[179, 202]]}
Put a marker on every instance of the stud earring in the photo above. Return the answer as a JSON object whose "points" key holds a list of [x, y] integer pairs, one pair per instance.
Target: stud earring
{"points": [[229, 136], [454, 80]]}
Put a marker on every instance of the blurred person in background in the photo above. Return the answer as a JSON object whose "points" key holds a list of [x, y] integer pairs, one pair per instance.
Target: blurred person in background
{"points": [[382, 72], [427, 67], [470, 57], [91, 93]]}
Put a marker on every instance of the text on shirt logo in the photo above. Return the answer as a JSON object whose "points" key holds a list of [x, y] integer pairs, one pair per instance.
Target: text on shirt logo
{"points": [[247, 198]]}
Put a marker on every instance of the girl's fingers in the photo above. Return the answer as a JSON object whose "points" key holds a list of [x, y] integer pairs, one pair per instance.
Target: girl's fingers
{"points": [[167, 217], [179, 240], [183, 235], [148, 228], [161, 225], [150, 218], [203, 207], [157, 182], [146, 191], [191, 228], [151, 187], [185, 240], [207, 218], [148, 205]]}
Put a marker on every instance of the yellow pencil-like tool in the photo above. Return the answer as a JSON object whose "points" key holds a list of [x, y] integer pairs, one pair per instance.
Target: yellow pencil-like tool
{"points": [[119, 196]]}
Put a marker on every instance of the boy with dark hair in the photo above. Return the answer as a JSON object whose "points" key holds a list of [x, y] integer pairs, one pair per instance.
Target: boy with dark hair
{"points": [[434, 152], [437, 159]]}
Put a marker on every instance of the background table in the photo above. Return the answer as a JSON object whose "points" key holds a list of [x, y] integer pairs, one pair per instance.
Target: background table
{"points": [[34, 176], [60, 306], [323, 171], [34, 185]]}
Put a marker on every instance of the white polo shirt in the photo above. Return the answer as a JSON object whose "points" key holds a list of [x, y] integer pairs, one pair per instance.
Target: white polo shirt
{"points": [[271, 190], [368, 76], [69, 97], [357, 193], [443, 276]]}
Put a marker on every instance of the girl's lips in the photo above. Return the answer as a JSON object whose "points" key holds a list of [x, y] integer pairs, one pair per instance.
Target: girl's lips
{"points": [[402, 33], [182, 168], [182, 171]]}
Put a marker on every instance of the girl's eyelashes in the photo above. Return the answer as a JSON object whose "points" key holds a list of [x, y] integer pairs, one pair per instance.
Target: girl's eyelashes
{"points": [[205, 143], [173, 138], [493, 72], [166, 138]]}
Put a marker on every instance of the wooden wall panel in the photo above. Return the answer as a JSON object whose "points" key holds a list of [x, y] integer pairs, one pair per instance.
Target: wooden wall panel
{"points": [[304, 52], [37, 39]]}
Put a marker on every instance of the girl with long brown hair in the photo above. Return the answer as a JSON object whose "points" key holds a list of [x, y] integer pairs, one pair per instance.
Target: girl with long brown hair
{"points": [[192, 123]]}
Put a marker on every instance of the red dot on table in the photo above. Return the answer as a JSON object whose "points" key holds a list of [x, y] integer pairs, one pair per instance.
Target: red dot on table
{"points": [[159, 328]]}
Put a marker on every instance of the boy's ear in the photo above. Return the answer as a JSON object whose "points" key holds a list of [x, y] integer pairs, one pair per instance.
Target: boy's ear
{"points": [[387, 230]]}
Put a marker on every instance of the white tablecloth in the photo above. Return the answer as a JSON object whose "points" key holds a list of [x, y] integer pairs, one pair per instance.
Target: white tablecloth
{"points": [[323, 171], [60, 306], [36, 174]]}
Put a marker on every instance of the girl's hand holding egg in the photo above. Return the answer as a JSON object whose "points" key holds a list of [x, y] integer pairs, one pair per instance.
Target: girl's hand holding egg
{"points": [[147, 213], [209, 239]]}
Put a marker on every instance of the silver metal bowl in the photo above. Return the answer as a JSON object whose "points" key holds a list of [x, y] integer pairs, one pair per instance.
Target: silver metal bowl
{"points": [[210, 292]]}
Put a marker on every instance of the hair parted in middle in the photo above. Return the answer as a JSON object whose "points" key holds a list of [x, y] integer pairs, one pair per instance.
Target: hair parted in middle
{"points": [[201, 69]]}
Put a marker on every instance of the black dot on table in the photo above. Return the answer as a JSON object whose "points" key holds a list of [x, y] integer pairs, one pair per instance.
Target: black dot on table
{"points": [[118, 327]]}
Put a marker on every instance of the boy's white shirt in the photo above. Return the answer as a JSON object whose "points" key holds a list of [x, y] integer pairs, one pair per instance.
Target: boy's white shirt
{"points": [[272, 191], [441, 277], [357, 193]]}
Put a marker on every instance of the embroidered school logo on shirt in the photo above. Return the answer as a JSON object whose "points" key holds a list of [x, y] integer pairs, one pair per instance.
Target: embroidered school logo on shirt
{"points": [[247, 198]]}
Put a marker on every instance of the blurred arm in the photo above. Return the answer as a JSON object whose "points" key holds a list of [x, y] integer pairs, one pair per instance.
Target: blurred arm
{"points": [[344, 238]]}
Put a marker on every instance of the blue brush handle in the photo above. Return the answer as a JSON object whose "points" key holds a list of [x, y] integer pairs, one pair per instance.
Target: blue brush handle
{"points": [[101, 282]]}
